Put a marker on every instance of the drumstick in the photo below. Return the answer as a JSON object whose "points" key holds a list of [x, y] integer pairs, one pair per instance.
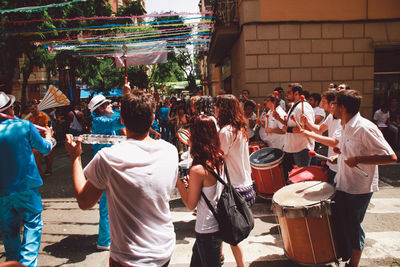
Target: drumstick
{"points": [[258, 111], [299, 126], [40, 128], [266, 121], [302, 105], [337, 151], [312, 154], [275, 96]]}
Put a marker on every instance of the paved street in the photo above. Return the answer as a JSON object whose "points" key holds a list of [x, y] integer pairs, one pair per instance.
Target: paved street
{"points": [[69, 234]]}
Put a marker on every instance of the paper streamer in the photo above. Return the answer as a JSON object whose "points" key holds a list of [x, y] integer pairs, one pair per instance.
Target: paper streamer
{"points": [[163, 23], [105, 17], [38, 8]]}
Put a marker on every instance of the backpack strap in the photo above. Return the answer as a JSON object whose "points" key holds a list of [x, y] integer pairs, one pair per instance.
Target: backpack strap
{"points": [[219, 179]]}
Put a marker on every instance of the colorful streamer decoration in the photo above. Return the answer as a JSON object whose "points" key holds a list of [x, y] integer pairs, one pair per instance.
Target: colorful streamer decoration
{"points": [[38, 8], [149, 38]]}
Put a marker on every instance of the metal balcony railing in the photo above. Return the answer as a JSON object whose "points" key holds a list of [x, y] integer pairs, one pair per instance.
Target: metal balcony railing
{"points": [[226, 12]]}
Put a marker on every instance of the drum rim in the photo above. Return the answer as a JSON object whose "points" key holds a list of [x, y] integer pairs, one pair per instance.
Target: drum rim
{"points": [[275, 203], [269, 165]]}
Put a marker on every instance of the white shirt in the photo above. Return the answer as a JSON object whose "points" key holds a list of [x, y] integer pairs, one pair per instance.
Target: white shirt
{"points": [[381, 118], [205, 220], [333, 125], [273, 139], [296, 142], [139, 178], [282, 104], [360, 137], [319, 112], [250, 131], [236, 155]]}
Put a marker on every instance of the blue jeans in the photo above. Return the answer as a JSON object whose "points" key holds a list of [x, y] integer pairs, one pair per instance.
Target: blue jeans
{"points": [[348, 213], [26, 206], [104, 226], [206, 251]]}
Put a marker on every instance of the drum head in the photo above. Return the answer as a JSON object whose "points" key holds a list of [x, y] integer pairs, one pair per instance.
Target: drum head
{"points": [[266, 156], [303, 194]]}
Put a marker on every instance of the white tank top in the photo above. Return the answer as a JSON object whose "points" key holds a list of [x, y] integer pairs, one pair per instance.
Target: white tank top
{"points": [[205, 220], [75, 124]]}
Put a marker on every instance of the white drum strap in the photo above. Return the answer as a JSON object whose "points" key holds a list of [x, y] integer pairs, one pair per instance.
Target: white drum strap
{"points": [[311, 243], [330, 233]]}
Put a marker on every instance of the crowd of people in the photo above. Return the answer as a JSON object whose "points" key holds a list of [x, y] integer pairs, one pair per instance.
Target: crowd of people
{"points": [[133, 180]]}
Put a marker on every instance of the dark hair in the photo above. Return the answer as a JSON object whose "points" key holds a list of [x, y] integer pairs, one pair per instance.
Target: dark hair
{"points": [[205, 146], [305, 93], [250, 103], [279, 89], [205, 105], [350, 99], [137, 111], [231, 113], [272, 98], [330, 95], [296, 87], [245, 90], [316, 96]]}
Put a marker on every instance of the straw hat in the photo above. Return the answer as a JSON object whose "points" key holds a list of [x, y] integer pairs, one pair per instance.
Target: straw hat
{"points": [[96, 102], [6, 101]]}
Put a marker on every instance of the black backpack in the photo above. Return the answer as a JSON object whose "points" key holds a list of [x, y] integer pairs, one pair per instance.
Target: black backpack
{"points": [[234, 216]]}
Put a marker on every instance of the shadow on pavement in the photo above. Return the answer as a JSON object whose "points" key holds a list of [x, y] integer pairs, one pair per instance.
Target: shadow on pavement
{"points": [[75, 248]]}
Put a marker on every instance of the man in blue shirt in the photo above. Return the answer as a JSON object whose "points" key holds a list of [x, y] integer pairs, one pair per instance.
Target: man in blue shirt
{"points": [[19, 181], [103, 122]]}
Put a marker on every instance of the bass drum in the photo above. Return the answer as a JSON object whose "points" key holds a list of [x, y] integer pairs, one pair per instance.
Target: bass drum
{"points": [[304, 214], [268, 172]]}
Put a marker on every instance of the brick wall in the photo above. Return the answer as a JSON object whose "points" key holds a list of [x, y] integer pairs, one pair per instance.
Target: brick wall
{"points": [[312, 54]]}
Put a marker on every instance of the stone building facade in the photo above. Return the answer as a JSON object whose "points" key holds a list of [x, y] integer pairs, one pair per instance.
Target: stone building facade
{"points": [[277, 42]]}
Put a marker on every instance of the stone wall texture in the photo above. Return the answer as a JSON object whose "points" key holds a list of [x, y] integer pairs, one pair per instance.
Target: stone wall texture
{"points": [[313, 54]]}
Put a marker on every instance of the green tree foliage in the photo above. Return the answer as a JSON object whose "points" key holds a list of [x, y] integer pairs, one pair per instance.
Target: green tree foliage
{"points": [[95, 72], [179, 63]]}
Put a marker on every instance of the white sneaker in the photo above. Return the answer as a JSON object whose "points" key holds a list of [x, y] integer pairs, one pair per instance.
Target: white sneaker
{"points": [[103, 247]]}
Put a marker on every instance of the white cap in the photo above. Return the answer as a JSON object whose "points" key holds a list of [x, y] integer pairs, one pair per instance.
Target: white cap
{"points": [[96, 102], [6, 101]]}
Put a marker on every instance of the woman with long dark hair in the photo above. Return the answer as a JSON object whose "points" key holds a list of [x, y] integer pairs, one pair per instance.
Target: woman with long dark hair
{"points": [[234, 144], [205, 151]]}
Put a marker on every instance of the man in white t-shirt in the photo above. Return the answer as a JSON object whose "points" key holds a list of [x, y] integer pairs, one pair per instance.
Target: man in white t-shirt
{"points": [[382, 116], [330, 124], [272, 131], [251, 117], [139, 176], [296, 145], [362, 148], [319, 113]]}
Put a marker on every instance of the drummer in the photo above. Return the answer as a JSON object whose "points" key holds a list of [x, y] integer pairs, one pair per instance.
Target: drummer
{"points": [[362, 146], [330, 124], [274, 134], [251, 118], [296, 146]]}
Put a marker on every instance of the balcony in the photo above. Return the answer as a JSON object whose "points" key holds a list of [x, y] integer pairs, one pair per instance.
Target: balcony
{"points": [[226, 29]]}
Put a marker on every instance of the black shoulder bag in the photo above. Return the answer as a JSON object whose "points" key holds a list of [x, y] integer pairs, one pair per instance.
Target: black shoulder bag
{"points": [[234, 216]]}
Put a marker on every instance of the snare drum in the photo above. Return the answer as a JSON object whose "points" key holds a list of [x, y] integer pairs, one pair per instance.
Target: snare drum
{"points": [[303, 210], [311, 173], [266, 166]]}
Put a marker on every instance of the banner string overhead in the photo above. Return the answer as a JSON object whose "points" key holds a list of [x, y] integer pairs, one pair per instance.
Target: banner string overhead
{"points": [[155, 35]]}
